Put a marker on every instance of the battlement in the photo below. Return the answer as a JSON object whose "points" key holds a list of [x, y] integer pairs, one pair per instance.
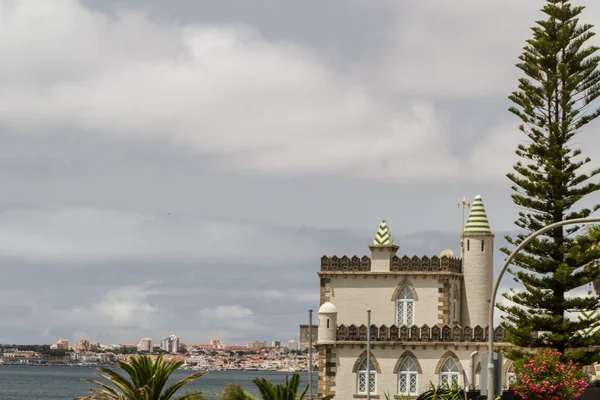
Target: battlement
{"points": [[358, 333], [405, 263]]}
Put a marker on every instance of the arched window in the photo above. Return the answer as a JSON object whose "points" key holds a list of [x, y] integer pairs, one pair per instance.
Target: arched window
{"points": [[510, 375], [361, 377], [408, 374], [405, 307], [468, 245], [449, 372]]}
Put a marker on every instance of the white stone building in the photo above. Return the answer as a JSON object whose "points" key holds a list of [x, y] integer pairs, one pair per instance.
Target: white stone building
{"points": [[428, 316], [145, 345], [170, 344]]}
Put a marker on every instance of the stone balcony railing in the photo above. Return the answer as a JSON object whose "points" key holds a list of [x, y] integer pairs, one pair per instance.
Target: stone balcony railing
{"points": [[383, 333], [405, 263]]}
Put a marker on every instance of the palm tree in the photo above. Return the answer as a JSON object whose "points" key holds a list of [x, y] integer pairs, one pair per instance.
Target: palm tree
{"points": [[286, 391], [234, 391], [146, 380]]}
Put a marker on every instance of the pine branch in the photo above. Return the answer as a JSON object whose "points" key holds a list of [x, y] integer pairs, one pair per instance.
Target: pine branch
{"points": [[561, 80]]}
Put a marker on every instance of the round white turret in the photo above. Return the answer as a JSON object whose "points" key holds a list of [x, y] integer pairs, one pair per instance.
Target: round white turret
{"points": [[478, 267], [326, 333]]}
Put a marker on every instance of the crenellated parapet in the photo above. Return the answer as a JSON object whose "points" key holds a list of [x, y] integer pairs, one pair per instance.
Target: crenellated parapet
{"points": [[383, 333], [435, 263], [405, 263], [345, 263]]}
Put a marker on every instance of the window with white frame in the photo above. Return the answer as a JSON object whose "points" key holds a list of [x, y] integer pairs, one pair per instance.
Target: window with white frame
{"points": [[449, 372], [405, 307], [510, 376], [408, 375], [361, 377]]}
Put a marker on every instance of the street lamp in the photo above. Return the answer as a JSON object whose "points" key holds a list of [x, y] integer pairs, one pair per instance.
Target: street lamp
{"points": [[490, 377], [369, 354], [310, 343]]}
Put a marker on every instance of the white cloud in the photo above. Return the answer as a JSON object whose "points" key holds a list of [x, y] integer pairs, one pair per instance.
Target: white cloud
{"points": [[257, 105], [123, 308], [226, 312], [229, 321], [96, 235], [465, 49], [128, 306]]}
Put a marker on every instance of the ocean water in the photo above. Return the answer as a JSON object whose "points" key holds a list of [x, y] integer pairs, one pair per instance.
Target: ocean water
{"points": [[64, 383]]}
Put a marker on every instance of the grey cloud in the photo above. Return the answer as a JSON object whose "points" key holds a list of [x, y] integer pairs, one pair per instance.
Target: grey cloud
{"points": [[312, 120], [237, 302], [271, 136]]}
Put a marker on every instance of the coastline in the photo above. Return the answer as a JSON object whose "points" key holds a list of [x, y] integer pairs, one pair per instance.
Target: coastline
{"points": [[182, 368]]}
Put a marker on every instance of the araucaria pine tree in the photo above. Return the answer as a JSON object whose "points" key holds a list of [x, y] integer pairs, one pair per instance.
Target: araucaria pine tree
{"points": [[553, 102]]}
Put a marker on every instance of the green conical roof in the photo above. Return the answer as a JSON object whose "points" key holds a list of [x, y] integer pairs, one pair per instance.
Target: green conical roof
{"points": [[384, 236], [477, 224], [586, 316]]}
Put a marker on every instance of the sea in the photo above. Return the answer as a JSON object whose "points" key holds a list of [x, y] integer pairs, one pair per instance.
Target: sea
{"points": [[65, 383]]}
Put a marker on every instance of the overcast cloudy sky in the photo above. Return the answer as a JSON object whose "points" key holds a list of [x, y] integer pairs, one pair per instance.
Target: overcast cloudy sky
{"points": [[179, 167]]}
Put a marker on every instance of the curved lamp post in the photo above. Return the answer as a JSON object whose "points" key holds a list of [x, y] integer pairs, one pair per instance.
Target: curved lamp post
{"points": [[490, 377]]}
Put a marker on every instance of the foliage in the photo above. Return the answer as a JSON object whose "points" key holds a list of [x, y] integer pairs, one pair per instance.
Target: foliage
{"points": [[443, 392], [43, 349], [125, 350], [285, 391], [235, 392], [387, 396], [552, 103], [147, 381], [544, 376]]}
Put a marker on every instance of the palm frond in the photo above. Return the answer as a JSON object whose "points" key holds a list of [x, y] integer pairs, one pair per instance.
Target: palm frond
{"points": [[144, 380]]}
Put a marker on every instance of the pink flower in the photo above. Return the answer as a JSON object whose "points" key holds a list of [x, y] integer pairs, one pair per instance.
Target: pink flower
{"points": [[544, 377]]}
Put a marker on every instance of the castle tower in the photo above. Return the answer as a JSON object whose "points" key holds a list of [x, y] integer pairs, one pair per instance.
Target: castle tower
{"points": [[589, 316], [478, 267], [382, 249], [326, 333]]}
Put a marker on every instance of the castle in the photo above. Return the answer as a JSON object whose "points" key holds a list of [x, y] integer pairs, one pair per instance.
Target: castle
{"points": [[429, 317]]}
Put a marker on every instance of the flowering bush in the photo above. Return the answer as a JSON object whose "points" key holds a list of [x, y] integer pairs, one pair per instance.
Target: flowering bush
{"points": [[544, 377]]}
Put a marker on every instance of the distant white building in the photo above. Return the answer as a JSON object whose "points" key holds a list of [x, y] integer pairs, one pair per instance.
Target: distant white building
{"points": [[294, 345], [170, 344], [145, 345], [256, 344]]}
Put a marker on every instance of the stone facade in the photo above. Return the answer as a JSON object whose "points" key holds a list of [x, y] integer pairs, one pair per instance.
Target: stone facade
{"points": [[421, 329], [305, 334]]}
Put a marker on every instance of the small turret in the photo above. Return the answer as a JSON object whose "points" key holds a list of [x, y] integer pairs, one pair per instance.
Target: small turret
{"points": [[587, 316], [326, 334], [382, 249], [478, 266]]}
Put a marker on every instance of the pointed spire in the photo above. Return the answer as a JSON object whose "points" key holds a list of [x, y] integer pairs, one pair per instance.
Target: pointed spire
{"points": [[587, 316], [384, 236], [477, 224]]}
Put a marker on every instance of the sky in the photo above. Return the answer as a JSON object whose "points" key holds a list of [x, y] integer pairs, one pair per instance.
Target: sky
{"points": [[180, 167]]}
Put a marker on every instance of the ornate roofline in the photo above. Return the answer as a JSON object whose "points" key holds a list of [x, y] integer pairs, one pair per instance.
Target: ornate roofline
{"points": [[397, 264]]}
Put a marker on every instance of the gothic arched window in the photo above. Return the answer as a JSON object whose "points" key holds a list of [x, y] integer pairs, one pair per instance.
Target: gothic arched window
{"points": [[449, 373], [408, 374], [361, 377], [405, 307]]}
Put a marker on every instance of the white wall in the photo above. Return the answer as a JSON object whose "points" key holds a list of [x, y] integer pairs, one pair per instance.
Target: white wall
{"points": [[387, 381], [478, 268], [352, 295]]}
